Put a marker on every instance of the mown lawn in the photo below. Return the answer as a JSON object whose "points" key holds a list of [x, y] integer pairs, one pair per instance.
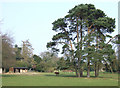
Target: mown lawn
{"points": [[64, 79]]}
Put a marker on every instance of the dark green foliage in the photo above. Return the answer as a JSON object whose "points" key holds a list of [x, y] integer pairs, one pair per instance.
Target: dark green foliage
{"points": [[65, 48], [22, 64], [37, 59], [46, 62], [63, 64], [42, 67], [59, 24], [106, 23], [18, 52], [59, 36], [50, 44]]}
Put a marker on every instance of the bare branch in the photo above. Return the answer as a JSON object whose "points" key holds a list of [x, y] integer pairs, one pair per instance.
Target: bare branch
{"points": [[111, 39]]}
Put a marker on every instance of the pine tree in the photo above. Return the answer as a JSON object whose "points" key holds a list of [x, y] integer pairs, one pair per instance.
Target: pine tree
{"points": [[78, 31]]}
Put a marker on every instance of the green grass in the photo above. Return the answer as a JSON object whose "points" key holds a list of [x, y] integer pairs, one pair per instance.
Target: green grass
{"points": [[64, 79]]}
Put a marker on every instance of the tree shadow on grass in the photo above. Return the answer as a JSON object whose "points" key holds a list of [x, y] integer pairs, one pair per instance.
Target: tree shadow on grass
{"points": [[62, 75], [9, 75], [96, 77]]}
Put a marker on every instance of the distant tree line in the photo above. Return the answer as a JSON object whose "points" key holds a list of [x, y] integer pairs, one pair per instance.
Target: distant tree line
{"points": [[22, 56]]}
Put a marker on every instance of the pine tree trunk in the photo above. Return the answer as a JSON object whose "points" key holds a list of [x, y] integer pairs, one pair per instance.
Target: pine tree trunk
{"points": [[78, 67], [81, 72], [76, 71], [111, 69], [98, 69], [88, 70], [88, 65], [78, 74], [75, 67], [95, 69]]}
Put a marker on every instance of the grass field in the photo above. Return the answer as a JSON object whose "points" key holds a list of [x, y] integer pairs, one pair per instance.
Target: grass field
{"points": [[64, 79]]}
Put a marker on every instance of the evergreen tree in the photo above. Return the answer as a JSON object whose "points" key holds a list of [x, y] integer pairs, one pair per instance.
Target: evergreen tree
{"points": [[81, 33]]}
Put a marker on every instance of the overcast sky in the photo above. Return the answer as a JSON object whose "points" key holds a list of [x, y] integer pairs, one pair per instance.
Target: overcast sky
{"points": [[33, 20]]}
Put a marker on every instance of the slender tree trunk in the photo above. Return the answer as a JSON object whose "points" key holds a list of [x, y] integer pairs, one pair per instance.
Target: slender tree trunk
{"points": [[76, 70], [79, 67], [88, 59], [98, 70], [95, 69], [96, 65], [74, 63], [88, 66], [111, 69], [81, 72], [78, 48], [75, 67], [77, 31]]}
